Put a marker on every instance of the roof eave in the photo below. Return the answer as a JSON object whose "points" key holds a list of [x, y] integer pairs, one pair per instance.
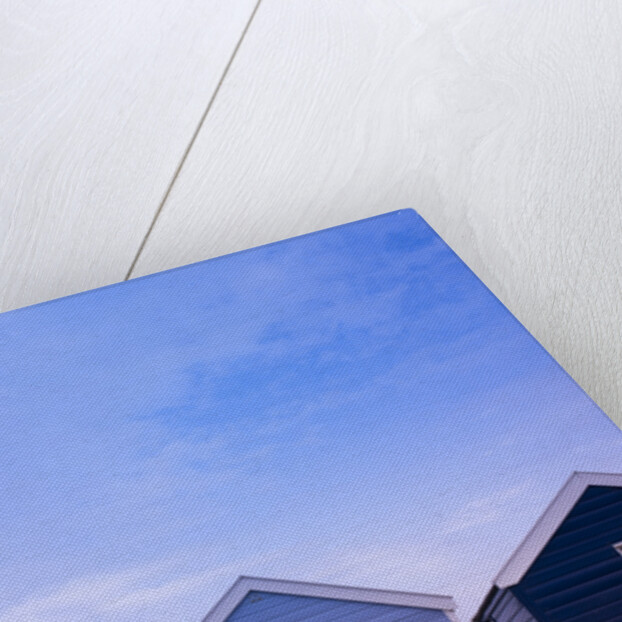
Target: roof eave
{"points": [[243, 585], [550, 520]]}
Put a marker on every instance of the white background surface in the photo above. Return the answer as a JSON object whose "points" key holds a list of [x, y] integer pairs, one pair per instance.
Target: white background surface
{"points": [[140, 136]]}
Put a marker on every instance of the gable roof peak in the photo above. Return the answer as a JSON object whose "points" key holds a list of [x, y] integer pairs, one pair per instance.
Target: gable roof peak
{"points": [[244, 584], [550, 520]]}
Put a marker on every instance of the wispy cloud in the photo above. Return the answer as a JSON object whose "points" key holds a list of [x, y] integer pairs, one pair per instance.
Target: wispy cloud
{"points": [[82, 597], [487, 509], [122, 595], [350, 396]]}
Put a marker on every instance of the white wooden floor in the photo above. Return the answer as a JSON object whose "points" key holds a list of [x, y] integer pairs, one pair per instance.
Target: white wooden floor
{"points": [[138, 136]]}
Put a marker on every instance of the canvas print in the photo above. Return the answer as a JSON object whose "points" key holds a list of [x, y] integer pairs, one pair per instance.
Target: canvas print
{"points": [[345, 426]]}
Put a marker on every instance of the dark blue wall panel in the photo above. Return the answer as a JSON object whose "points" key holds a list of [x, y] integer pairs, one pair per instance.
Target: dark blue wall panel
{"points": [[577, 577]]}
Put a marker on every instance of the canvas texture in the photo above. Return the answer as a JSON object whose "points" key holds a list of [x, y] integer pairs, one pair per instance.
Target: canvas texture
{"points": [[343, 426]]}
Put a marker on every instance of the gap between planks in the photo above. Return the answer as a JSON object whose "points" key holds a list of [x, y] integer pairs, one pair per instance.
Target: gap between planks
{"points": [[184, 156]]}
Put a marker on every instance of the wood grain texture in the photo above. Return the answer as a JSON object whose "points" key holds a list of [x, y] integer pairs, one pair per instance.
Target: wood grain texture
{"points": [[98, 102], [499, 122]]}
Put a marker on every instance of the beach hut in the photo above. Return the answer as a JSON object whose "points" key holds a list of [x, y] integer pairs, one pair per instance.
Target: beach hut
{"points": [[252, 599], [569, 566]]}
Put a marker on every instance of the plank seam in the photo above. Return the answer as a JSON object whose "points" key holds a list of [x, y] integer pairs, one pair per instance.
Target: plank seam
{"points": [[184, 157]]}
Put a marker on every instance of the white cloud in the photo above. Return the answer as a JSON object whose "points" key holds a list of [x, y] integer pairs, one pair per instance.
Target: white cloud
{"points": [[86, 594], [120, 595], [485, 510]]}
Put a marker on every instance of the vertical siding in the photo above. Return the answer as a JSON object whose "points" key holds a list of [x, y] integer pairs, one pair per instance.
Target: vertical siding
{"points": [[264, 606]]}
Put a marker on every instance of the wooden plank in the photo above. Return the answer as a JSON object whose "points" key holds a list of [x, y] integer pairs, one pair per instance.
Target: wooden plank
{"points": [[499, 122], [98, 102]]}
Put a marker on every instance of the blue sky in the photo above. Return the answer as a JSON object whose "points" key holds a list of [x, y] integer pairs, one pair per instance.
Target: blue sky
{"points": [[351, 406]]}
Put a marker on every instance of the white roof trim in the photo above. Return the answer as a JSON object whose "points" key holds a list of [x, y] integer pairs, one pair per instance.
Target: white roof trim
{"points": [[549, 522], [226, 605]]}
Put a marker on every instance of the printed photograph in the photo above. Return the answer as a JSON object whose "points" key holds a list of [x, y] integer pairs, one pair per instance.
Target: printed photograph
{"points": [[346, 426]]}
